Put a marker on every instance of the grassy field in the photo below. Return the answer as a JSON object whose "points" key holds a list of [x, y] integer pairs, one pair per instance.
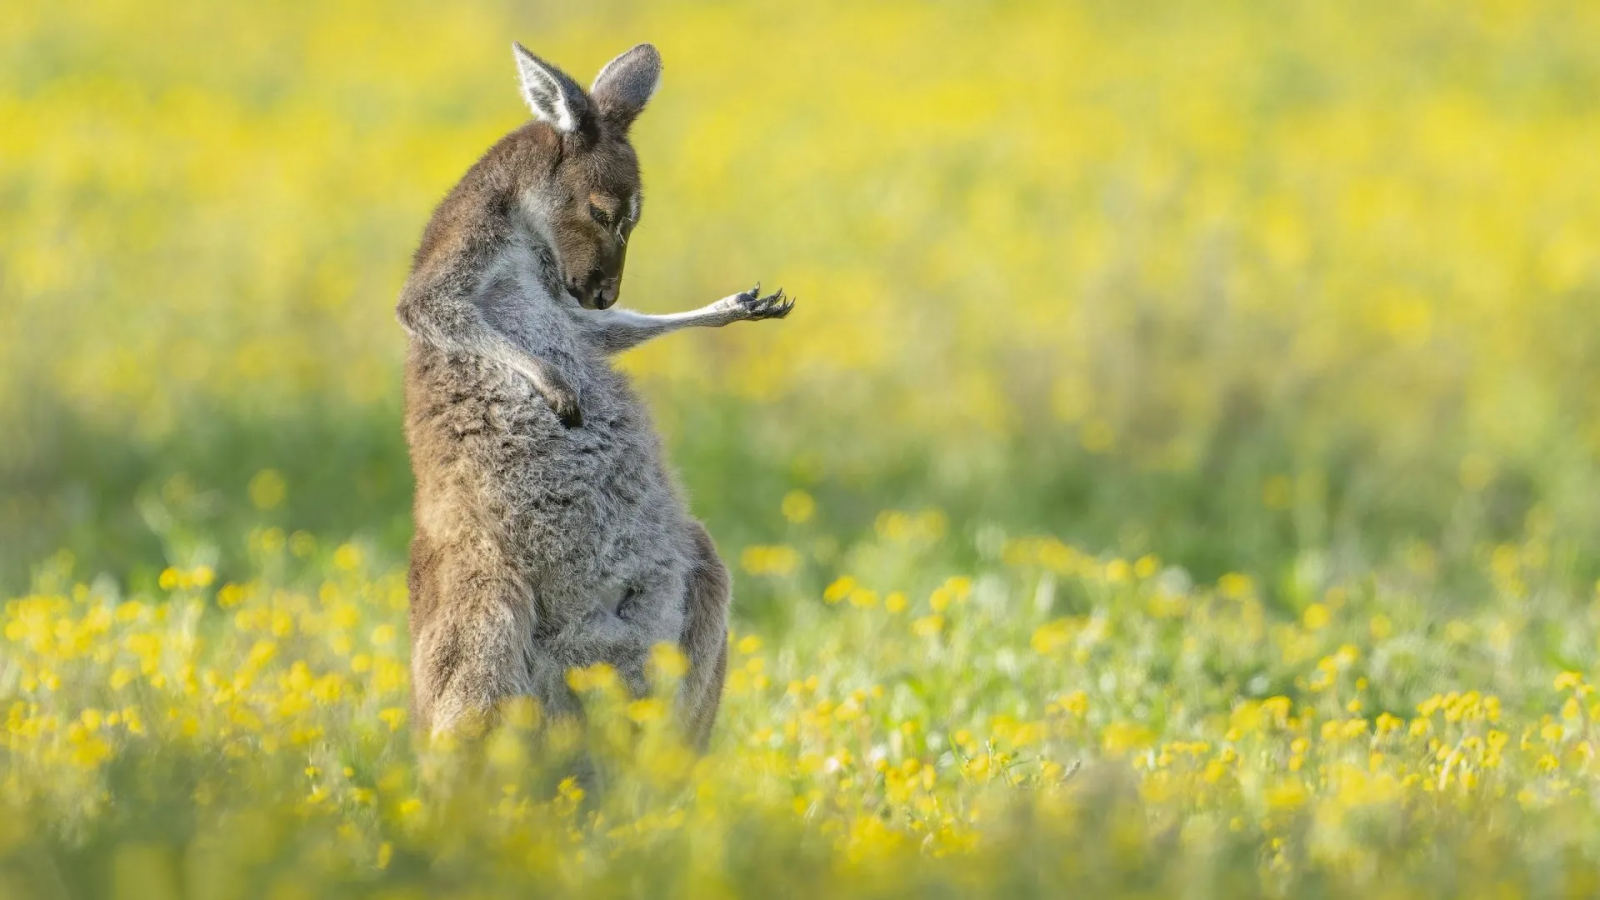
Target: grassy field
{"points": [[1179, 478]]}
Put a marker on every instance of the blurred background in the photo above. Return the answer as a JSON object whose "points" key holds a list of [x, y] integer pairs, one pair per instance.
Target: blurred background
{"points": [[1255, 286]]}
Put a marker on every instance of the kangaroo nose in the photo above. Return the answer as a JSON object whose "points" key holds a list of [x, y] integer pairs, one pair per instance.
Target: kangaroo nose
{"points": [[609, 290]]}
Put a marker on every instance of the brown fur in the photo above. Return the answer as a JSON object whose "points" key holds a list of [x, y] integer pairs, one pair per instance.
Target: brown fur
{"points": [[549, 532]]}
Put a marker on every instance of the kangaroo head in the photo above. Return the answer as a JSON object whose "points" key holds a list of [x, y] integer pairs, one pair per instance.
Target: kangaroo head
{"points": [[591, 199]]}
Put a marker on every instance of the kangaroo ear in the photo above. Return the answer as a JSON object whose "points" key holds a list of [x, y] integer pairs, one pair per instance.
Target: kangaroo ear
{"points": [[551, 93], [624, 86]]}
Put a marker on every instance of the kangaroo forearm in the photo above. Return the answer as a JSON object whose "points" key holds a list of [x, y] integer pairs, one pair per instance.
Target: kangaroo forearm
{"points": [[455, 326], [616, 330], [444, 322]]}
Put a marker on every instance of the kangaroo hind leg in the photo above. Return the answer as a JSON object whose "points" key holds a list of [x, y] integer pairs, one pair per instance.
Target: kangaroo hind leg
{"points": [[472, 653], [705, 640]]}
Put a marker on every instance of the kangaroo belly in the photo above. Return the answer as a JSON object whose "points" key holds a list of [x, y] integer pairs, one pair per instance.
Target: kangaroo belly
{"points": [[588, 516]]}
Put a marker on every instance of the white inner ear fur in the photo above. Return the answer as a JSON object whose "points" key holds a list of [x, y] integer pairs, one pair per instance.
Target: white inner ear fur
{"points": [[543, 92]]}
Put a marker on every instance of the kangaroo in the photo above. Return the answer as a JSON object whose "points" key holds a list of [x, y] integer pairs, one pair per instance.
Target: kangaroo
{"points": [[549, 533]]}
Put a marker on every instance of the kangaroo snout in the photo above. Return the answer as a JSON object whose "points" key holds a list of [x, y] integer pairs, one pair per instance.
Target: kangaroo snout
{"points": [[597, 291]]}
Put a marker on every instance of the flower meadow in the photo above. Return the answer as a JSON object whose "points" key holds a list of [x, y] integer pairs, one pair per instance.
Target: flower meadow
{"points": [[1176, 481], [1041, 721]]}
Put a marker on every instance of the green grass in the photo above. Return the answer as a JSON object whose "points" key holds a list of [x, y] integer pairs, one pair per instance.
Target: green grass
{"points": [[1232, 368]]}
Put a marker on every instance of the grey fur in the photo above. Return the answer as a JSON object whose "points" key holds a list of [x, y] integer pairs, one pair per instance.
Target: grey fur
{"points": [[626, 84], [549, 532]]}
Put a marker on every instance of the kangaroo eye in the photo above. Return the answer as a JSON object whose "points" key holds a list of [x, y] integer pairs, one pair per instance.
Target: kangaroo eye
{"points": [[600, 215]]}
